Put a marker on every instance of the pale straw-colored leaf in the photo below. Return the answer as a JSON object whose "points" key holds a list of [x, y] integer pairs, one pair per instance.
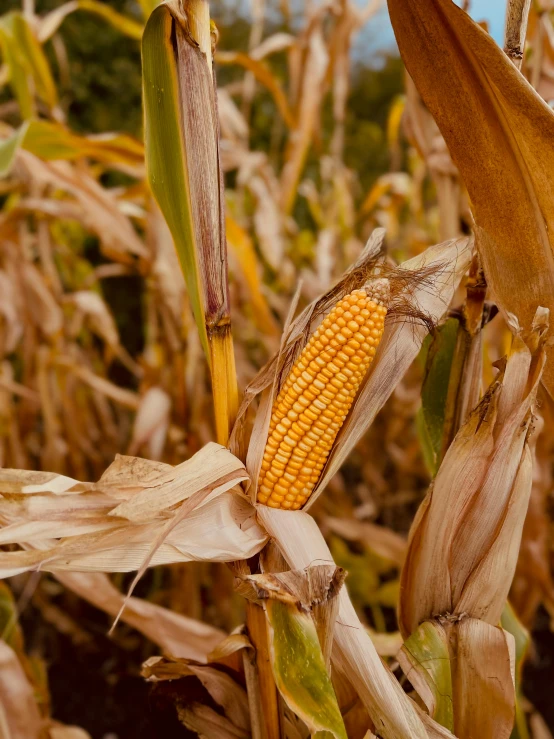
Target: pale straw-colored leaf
{"points": [[162, 514], [483, 681], [19, 713], [67, 732], [176, 634], [228, 694], [151, 423], [100, 212]]}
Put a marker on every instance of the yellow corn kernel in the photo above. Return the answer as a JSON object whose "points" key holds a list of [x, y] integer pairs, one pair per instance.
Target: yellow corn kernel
{"points": [[317, 395]]}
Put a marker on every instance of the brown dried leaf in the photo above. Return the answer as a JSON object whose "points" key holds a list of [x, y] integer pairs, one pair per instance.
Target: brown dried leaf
{"points": [[500, 134]]}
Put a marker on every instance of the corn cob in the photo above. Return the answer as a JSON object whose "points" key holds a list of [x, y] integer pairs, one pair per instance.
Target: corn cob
{"points": [[316, 396]]}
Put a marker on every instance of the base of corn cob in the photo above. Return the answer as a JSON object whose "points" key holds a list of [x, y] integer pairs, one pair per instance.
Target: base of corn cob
{"points": [[316, 397]]}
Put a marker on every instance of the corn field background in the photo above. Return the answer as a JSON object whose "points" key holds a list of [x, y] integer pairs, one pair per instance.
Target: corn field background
{"points": [[175, 249]]}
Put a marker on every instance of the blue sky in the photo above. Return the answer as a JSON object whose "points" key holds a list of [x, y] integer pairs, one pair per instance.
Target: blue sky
{"points": [[379, 34]]}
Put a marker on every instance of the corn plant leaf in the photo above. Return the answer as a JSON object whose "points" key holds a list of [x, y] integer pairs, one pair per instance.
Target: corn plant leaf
{"points": [[481, 492], [178, 635], [425, 660], [175, 87], [121, 22], [140, 513], [299, 669], [263, 74], [484, 697], [166, 157], [9, 147], [435, 387], [26, 61], [182, 157], [500, 134], [18, 72], [19, 712], [242, 249], [513, 625]]}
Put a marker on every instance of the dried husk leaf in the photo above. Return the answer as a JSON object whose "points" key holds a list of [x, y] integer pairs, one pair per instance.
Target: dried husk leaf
{"points": [[465, 539], [483, 681], [500, 134], [140, 512]]}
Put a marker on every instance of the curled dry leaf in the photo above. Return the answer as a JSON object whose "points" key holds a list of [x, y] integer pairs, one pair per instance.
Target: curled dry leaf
{"points": [[227, 692], [100, 212], [500, 134], [138, 512], [481, 491]]}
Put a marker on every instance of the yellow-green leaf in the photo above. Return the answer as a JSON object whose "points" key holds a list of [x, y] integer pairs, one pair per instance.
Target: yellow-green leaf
{"points": [[50, 141], [426, 663], [299, 670], [165, 152], [8, 149], [121, 22], [29, 71]]}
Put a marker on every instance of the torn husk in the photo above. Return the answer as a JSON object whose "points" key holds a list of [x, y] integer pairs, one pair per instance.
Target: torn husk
{"points": [[312, 591]]}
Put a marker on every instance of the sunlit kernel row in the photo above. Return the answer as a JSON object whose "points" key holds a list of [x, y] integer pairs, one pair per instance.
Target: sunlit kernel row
{"points": [[315, 399]]}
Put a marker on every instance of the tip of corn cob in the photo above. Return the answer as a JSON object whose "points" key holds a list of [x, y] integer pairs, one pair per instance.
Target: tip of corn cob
{"points": [[317, 395], [379, 290]]}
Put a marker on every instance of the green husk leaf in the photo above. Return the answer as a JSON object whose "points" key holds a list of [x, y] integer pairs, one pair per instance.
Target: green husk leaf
{"points": [[425, 660], [299, 670], [435, 390]]}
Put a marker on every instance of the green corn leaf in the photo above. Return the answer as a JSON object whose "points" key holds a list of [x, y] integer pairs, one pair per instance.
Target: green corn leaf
{"points": [[299, 670], [434, 392], [426, 663]]}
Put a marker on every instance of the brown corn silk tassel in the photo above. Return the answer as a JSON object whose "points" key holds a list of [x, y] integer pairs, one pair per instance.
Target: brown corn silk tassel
{"points": [[316, 396]]}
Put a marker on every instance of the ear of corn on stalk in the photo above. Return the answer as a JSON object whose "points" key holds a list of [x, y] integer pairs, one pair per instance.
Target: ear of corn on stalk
{"points": [[316, 396]]}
